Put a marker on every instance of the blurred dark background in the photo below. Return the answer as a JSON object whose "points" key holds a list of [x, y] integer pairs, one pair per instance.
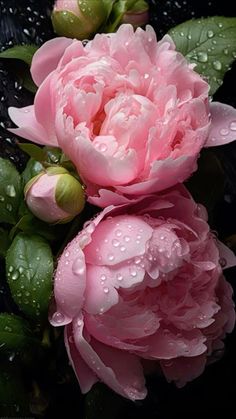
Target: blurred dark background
{"points": [[28, 21]]}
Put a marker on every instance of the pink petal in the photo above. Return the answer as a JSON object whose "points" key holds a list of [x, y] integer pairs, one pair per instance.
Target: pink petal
{"points": [[118, 239], [182, 370], [45, 110], [167, 344], [47, 57], [120, 370], [223, 125], [107, 170], [70, 280], [29, 128], [84, 374], [227, 257], [103, 281]]}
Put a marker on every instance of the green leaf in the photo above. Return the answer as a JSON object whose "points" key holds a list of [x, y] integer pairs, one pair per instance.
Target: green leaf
{"points": [[4, 242], [29, 224], [15, 333], [34, 151], [33, 168], [10, 192], [210, 43], [20, 52], [29, 266]]}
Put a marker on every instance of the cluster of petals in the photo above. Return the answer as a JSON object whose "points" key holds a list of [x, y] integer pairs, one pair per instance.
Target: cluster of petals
{"points": [[142, 284], [129, 107]]}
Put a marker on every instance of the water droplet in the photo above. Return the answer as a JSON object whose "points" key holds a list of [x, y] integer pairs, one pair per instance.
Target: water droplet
{"points": [[10, 191], [9, 207], [78, 267], [79, 323], [58, 317], [21, 270], [220, 25], [189, 36], [106, 290], [67, 254], [111, 257], [224, 131], [27, 293], [202, 57], [11, 269], [15, 276], [2, 199], [233, 126], [223, 262], [181, 33], [133, 273], [118, 233], [127, 239], [137, 260], [38, 258], [102, 147], [210, 34], [217, 65], [226, 51], [122, 248], [146, 75], [119, 277], [115, 243], [234, 54], [103, 277]]}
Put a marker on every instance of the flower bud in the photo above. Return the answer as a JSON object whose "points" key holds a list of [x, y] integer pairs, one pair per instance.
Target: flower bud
{"points": [[136, 14], [54, 196], [80, 18]]}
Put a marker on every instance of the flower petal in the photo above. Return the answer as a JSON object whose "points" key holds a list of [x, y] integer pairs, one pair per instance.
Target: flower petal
{"points": [[84, 374], [120, 370], [223, 125], [47, 57]]}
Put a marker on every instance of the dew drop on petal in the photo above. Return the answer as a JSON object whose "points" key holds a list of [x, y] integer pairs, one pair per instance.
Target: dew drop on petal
{"points": [[115, 242], [233, 126], [58, 317]]}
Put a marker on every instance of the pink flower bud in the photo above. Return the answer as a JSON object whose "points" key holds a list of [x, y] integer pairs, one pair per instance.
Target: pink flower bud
{"points": [[54, 196], [79, 18]]}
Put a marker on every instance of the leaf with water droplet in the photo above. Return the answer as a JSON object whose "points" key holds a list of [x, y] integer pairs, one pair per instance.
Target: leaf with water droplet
{"points": [[15, 333], [210, 43], [29, 263], [10, 192]]}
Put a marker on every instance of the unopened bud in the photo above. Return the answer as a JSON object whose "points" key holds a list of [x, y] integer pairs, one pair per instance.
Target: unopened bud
{"points": [[80, 18], [55, 196]]}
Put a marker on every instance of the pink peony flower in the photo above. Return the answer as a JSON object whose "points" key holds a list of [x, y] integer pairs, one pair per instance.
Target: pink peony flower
{"points": [[129, 111], [139, 283]]}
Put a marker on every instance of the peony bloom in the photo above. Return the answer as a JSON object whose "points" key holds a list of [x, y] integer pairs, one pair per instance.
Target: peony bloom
{"points": [[129, 111], [143, 283], [54, 196]]}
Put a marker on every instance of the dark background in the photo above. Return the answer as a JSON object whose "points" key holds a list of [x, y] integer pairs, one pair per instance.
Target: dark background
{"points": [[28, 21]]}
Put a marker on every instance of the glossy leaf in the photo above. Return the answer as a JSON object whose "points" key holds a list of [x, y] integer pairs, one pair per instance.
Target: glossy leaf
{"points": [[210, 43], [29, 266]]}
